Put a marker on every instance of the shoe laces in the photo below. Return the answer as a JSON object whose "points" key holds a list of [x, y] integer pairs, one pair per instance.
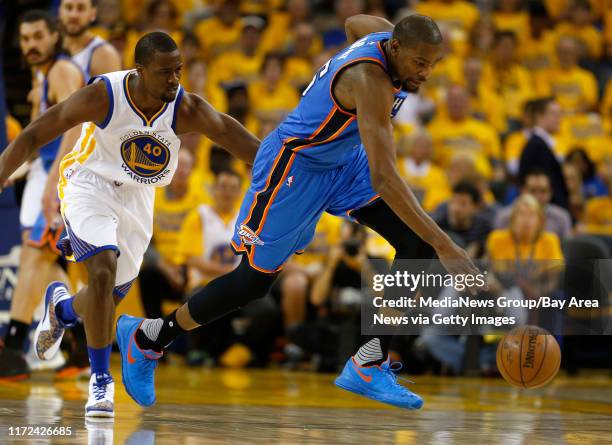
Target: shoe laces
{"points": [[99, 386], [392, 371]]}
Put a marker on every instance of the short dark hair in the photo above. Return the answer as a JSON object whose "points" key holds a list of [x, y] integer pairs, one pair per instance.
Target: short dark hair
{"points": [[467, 188], [534, 171], [417, 28], [34, 15], [151, 43], [539, 106]]}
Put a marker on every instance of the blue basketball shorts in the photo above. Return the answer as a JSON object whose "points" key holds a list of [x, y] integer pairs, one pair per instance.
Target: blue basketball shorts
{"points": [[280, 211]]}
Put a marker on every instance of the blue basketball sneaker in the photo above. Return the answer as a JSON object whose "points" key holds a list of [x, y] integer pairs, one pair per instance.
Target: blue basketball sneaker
{"points": [[377, 383], [138, 365]]}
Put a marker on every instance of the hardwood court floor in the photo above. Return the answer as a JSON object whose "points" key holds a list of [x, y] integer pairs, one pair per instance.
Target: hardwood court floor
{"points": [[215, 406]]}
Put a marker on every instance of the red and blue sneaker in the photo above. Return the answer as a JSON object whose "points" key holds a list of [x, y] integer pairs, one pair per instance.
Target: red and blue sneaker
{"points": [[138, 365], [378, 383]]}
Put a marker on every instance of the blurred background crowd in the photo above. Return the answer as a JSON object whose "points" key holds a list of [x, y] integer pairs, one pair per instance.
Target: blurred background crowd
{"points": [[508, 145]]}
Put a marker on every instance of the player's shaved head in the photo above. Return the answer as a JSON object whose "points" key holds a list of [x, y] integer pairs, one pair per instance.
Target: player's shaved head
{"points": [[152, 43], [416, 29]]}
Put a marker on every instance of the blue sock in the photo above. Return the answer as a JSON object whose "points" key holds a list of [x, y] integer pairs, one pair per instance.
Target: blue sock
{"points": [[99, 359], [65, 311]]}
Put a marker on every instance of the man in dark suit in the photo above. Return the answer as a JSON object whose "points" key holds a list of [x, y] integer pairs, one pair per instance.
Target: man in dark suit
{"points": [[539, 151]]}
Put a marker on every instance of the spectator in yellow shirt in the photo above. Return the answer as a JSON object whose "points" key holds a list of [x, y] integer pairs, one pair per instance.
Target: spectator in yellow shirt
{"points": [[299, 68], [507, 78], [509, 15], [580, 26], [462, 133], [574, 88], [427, 181], [457, 15], [162, 276], [448, 71], [279, 33], [243, 64], [525, 251], [161, 15], [485, 104], [221, 32], [272, 97], [537, 53]]}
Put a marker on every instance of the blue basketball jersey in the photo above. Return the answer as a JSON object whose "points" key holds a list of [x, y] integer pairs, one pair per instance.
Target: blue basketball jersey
{"points": [[49, 151], [319, 129]]}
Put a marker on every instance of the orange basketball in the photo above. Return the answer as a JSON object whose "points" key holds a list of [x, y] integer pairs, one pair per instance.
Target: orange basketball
{"points": [[528, 357]]}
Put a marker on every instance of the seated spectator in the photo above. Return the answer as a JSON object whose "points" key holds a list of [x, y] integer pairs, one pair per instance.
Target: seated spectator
{"points": [[455, 131], [537, 184], [244, 63], [162, 275], [485, 104], [161, 15], [504, 75], [516, 141], [537, 52], [272, 98], [462, 219], [427, 181], [279, 34], [592, 184], [598, 211], [573, 87], [580, 26], [510, 15], [588, 131], [299, 68], [540, 149], [222, 31]]}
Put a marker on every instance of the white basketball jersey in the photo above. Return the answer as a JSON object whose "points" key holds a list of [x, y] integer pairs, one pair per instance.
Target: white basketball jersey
{"points": [[83, 57], [216, 235], [128, 148]]}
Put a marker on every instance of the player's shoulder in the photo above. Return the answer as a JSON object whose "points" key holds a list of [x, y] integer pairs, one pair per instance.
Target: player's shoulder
{"points": [[64, 66]]}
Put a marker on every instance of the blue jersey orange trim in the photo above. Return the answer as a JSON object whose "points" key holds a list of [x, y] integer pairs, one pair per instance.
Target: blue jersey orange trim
{"points": [[340, 70], [145, 121]]}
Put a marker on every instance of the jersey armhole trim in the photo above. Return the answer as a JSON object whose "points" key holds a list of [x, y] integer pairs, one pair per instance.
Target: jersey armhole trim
{"points": [[111, 100], [352, 112], [177, 104]]}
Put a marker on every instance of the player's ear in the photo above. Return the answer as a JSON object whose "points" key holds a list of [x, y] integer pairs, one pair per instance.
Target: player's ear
{"points": [[394, 46], [139, 68]]}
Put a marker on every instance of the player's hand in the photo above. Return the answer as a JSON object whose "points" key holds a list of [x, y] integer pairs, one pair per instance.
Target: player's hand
{"points": [[457, 262]]}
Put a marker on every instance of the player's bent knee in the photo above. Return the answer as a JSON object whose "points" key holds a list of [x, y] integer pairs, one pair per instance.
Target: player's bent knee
{"points": [[102, 269]]}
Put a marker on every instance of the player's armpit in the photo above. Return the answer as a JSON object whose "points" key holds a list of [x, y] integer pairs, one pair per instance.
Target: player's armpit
{"points": [[361, 25], [90, 103], [197, 115]]}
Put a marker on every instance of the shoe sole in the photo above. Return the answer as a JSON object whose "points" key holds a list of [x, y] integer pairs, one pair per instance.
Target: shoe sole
{"points": [[123, 351], [94, 413]]}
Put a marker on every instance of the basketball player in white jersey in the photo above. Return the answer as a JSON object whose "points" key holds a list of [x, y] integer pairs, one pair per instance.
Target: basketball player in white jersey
{"points": [[128, 146], [92, 53], [55, 78], [94, 56]]}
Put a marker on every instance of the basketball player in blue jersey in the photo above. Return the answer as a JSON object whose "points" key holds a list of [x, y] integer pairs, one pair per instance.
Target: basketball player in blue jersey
{"points": [[128, 146], [334, 153], [55, 78]]}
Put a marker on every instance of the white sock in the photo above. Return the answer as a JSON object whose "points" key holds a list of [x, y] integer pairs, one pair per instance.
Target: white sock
{"points": [[151, 327], [369, 352]]}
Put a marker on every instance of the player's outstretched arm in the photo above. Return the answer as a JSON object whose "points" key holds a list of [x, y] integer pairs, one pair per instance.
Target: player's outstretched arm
{"points": [[197, 115], [361, 25], [90, 103], [374, 121]]}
